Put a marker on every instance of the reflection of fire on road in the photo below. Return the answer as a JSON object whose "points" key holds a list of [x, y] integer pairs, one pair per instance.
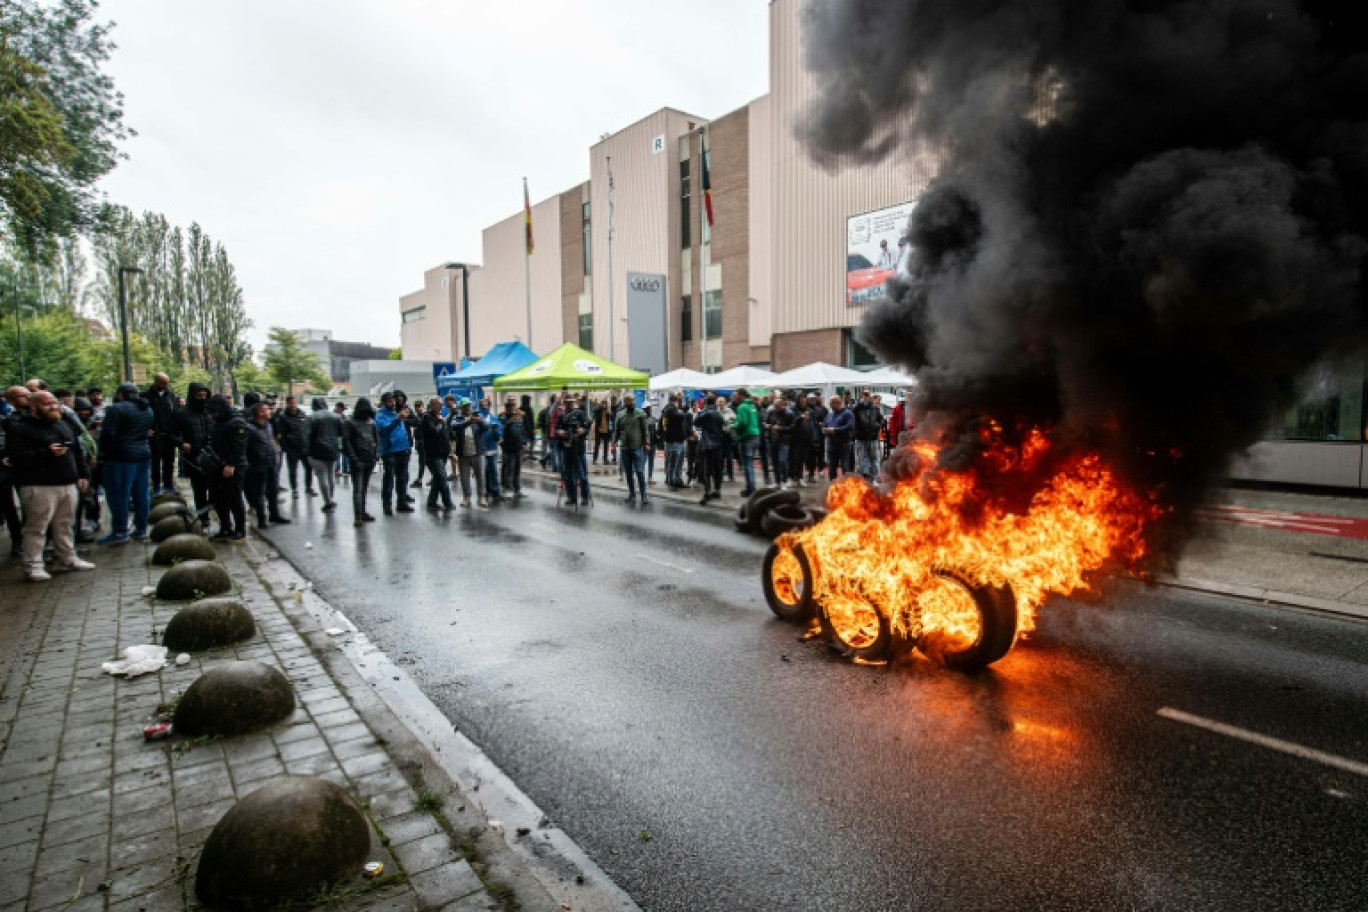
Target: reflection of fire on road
{"points": [[956, 563]]}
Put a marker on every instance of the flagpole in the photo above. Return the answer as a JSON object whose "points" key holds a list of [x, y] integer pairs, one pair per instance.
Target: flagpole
{"points": [[611, 316], [527, 261], [702, 251]]}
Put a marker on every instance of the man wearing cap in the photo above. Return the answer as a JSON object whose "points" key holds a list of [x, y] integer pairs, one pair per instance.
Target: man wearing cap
{"points": [[125, 452], [49, 470], [467, 428], [395, 447], [572, 431]]}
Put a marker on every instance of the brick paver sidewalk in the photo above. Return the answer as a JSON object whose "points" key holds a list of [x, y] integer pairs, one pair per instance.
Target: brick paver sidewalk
{"points": [[93, 817]]}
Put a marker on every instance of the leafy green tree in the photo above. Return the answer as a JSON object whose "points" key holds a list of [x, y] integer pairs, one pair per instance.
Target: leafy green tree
{"points": [[287, 362], [396, 354], [61, 119], [248, 376], [55, 347]]}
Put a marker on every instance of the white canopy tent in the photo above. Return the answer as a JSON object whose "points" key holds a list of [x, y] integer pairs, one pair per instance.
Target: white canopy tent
{"points": [[819, 373], [745, 375], [682, 378], [887, 376]]}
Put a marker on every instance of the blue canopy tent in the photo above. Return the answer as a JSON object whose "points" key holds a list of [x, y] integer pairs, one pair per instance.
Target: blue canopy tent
{"points": [[503, 358]]}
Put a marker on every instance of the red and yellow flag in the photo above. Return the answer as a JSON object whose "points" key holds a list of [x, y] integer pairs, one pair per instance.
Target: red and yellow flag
{"points": [[707, 187], [527, 217]]}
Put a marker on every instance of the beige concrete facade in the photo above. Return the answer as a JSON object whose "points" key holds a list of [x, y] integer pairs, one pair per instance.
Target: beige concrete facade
{"points": [[498, 290], [430, 327], [776, 254]]}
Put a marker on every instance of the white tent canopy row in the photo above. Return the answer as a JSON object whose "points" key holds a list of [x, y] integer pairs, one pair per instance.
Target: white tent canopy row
{"points": [[812, 376]]}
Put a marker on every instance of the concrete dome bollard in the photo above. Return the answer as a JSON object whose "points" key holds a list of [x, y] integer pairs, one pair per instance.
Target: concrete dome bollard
{"points": [[208, 623], [179, 523], [232, 699], [193, 579], [161, 499], [183, 547], [160, 512], [282, 842]]}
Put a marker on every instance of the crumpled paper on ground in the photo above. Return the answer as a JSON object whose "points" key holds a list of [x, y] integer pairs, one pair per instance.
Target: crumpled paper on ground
{"points": [[138, 660]]}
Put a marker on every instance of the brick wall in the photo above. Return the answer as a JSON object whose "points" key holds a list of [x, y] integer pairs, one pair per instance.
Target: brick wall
{"points": [[792, 350]]}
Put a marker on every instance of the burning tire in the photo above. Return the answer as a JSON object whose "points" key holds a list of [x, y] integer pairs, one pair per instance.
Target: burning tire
{"points": [[786, 518], [788, 583], [968, 625], [857, 629]]}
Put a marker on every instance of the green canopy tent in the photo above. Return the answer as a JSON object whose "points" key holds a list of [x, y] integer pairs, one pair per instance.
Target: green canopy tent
{"points": [[572, 367]]}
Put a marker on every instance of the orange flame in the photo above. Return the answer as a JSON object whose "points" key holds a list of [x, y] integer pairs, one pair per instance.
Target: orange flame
{"points": [[886, 552]]}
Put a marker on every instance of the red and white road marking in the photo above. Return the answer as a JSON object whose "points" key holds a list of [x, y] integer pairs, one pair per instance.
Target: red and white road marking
{"points": [[1316, 523]]}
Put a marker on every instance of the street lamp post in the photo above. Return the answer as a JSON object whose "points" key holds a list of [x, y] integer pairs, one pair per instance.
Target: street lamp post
{"points": [[123, 322], [19, 331]]}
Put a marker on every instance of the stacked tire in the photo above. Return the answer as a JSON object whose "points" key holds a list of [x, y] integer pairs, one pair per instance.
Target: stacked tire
{"points": [[772, 511]]}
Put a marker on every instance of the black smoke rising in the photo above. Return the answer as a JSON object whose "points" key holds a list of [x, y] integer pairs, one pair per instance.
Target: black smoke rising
{"points": [[1149, 224]]}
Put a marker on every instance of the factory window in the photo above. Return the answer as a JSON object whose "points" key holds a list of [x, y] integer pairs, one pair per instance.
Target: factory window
{"points": [[413, 316], [586, 331], [1331, 407], [858, 357], [684, 233], [712, 315], [588, 240], [686, 318]]}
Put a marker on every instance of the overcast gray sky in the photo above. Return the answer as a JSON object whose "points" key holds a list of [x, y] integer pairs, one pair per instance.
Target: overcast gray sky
{"points": [[339, 149]]}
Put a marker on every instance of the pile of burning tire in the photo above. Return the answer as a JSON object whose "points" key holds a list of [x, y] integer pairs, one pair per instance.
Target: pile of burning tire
{"points": [[773, 511], [974, 624]]}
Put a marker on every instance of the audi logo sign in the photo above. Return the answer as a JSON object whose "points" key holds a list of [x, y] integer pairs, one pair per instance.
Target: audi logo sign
{"points": [[642, 283]]}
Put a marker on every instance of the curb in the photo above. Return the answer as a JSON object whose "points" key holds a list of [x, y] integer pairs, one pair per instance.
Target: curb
{"points": [[522, 846]]}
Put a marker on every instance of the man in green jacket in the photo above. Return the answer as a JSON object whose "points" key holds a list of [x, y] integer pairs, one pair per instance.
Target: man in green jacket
{"points": [[631, 431], [746, 430]]}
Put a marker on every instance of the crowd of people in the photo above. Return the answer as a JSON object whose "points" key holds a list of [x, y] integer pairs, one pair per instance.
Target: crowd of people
{"points": [[61, 449]]}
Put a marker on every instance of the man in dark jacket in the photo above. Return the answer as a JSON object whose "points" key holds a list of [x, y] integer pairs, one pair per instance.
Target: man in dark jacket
{"points": [[839, 429], [290, 424], [514, 442], [436, 449], [869, 424], [712, 437], [125, 451], [162, 401], [263, 468], [324, 431], [190, 427], [572, 431], [228, 440], [362, 447], [14, 407], [49, 470], [676, 427], [779, 424]]}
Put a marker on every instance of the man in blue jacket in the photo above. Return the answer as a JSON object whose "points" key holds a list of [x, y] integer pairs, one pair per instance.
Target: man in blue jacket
{"points": [[395, 448], [839, 428], [125, 460], [489, 447]]}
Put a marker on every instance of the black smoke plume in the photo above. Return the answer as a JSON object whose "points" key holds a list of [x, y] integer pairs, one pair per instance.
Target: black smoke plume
{"points": [[1149, 223]]}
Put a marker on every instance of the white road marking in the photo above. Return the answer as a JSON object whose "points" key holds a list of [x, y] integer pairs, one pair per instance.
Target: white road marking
{"points": [[1277, 744], [656, 560]]}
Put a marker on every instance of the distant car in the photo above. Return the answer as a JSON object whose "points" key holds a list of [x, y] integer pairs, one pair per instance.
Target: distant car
{"points": [[864, 280]]}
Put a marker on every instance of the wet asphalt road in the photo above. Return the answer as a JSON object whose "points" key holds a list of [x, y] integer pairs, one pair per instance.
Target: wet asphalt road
{"points": [[623, 669]]}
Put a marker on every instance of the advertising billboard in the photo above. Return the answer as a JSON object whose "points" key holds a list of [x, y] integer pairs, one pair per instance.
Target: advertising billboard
{"points": [[875, 251], [646, 322]]}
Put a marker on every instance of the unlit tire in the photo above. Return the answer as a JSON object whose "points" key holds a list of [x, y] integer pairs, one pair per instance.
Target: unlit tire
{"points": [[997, 627], [786, 518], [761, 502], [798, 605], [742, 519]]}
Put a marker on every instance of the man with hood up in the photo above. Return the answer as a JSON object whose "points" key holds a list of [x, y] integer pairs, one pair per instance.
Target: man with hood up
{"points": [[190, 427], [324, 430], [228, 442], [362, 446], [125, 454], [162, 401]]}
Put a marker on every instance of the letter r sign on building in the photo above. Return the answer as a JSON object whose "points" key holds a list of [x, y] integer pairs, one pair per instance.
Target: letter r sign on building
{"points": [[658, 144]]}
